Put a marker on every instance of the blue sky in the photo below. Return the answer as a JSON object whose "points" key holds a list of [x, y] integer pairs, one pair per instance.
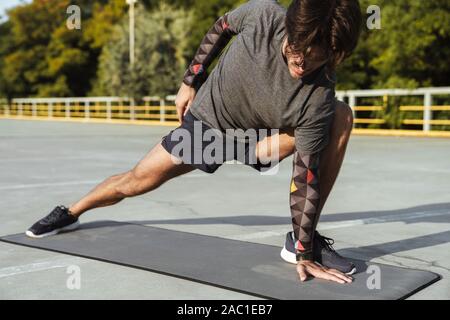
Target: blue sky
{"points": [[7, 4]]}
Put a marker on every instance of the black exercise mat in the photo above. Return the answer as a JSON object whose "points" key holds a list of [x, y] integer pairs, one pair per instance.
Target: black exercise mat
{"points": [[244, 267]]}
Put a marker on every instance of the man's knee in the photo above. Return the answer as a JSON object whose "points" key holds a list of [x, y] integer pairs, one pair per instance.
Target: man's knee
{"points": [[344, 117]]}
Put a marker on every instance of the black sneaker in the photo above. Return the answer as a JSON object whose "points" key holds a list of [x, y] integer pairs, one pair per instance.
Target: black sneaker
{"points": [[323, 252], [57, 221]]}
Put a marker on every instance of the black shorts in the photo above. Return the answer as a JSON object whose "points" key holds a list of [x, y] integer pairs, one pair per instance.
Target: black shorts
{"points": [[207, 149]]}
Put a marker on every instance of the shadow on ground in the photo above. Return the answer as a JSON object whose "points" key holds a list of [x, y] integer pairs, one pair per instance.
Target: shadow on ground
{"points": [[400, 215], [425, 214], [366, 253]]}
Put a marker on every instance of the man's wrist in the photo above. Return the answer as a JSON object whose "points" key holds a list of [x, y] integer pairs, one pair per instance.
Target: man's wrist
{"points": [[304, 256], [187, 83]]}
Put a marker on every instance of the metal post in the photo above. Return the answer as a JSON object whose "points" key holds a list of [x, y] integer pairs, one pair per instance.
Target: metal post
{"points": [[50, 110], [427, 113], [108, 110], [385, 101], [162, 110], [33, 110], [132, 33], [352, 101], [87, 110], [7, 111], [352, 104], [340, 97], [131, 3], [132, 111], [67, 109]]}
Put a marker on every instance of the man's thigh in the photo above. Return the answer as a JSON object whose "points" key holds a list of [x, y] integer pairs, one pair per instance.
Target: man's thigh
{"points": [[276, 147], [160, 166]]}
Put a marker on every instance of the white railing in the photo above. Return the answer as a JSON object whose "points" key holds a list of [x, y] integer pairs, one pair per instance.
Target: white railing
{"points": [[163, 109], [108, 108], [427, 93]]}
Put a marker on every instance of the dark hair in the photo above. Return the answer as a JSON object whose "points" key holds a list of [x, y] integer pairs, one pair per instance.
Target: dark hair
{"points": [[333, 25]]}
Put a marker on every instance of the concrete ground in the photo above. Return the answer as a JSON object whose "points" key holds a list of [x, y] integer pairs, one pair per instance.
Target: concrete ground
{"points": [[391, 205]]}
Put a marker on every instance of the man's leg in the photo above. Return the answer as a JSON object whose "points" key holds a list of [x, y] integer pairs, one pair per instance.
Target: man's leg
{"points": [[334, 267], [331, 158], [150, 173]]}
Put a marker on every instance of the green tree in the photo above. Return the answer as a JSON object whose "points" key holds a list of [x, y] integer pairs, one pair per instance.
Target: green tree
{"points": [[39, 56], [161, 41], [98, 29], [410, 50], [30, 68], [31, 29], [45, 58], [205, 14], [5, 48]]}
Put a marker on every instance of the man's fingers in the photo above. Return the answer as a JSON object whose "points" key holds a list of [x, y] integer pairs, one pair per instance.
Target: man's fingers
{"points": [[340, 275], [179, 114], [322, 273], [334, 278], [186, 110], [330, 277], [302, 273]]}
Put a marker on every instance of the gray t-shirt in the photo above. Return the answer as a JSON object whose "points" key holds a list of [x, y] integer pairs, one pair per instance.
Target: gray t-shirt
{"points": [[251, 87]]}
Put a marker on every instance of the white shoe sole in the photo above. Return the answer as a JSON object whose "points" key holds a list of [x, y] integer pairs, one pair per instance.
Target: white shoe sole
{"points": [[70, 227], [291, 258]]}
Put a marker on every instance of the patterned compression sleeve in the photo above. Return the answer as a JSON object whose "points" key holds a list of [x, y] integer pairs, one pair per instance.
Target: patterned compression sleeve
{"points": [[212, 45], [304, 202]]}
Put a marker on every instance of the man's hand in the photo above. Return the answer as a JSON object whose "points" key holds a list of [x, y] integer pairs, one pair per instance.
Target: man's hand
{"points": [[184, 100], [310, 268]]}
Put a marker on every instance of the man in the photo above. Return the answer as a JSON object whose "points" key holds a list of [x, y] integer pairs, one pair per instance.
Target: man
{"points": [[278, 73]]}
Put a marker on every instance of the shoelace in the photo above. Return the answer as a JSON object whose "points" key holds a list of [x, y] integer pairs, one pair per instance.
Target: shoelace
{"points": [[55, 215], [327, 243]]}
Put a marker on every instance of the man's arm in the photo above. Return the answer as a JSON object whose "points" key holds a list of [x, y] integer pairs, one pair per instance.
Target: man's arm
{"points": [[305, 202], [217, 39], [311, 139], [212, 45]]}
